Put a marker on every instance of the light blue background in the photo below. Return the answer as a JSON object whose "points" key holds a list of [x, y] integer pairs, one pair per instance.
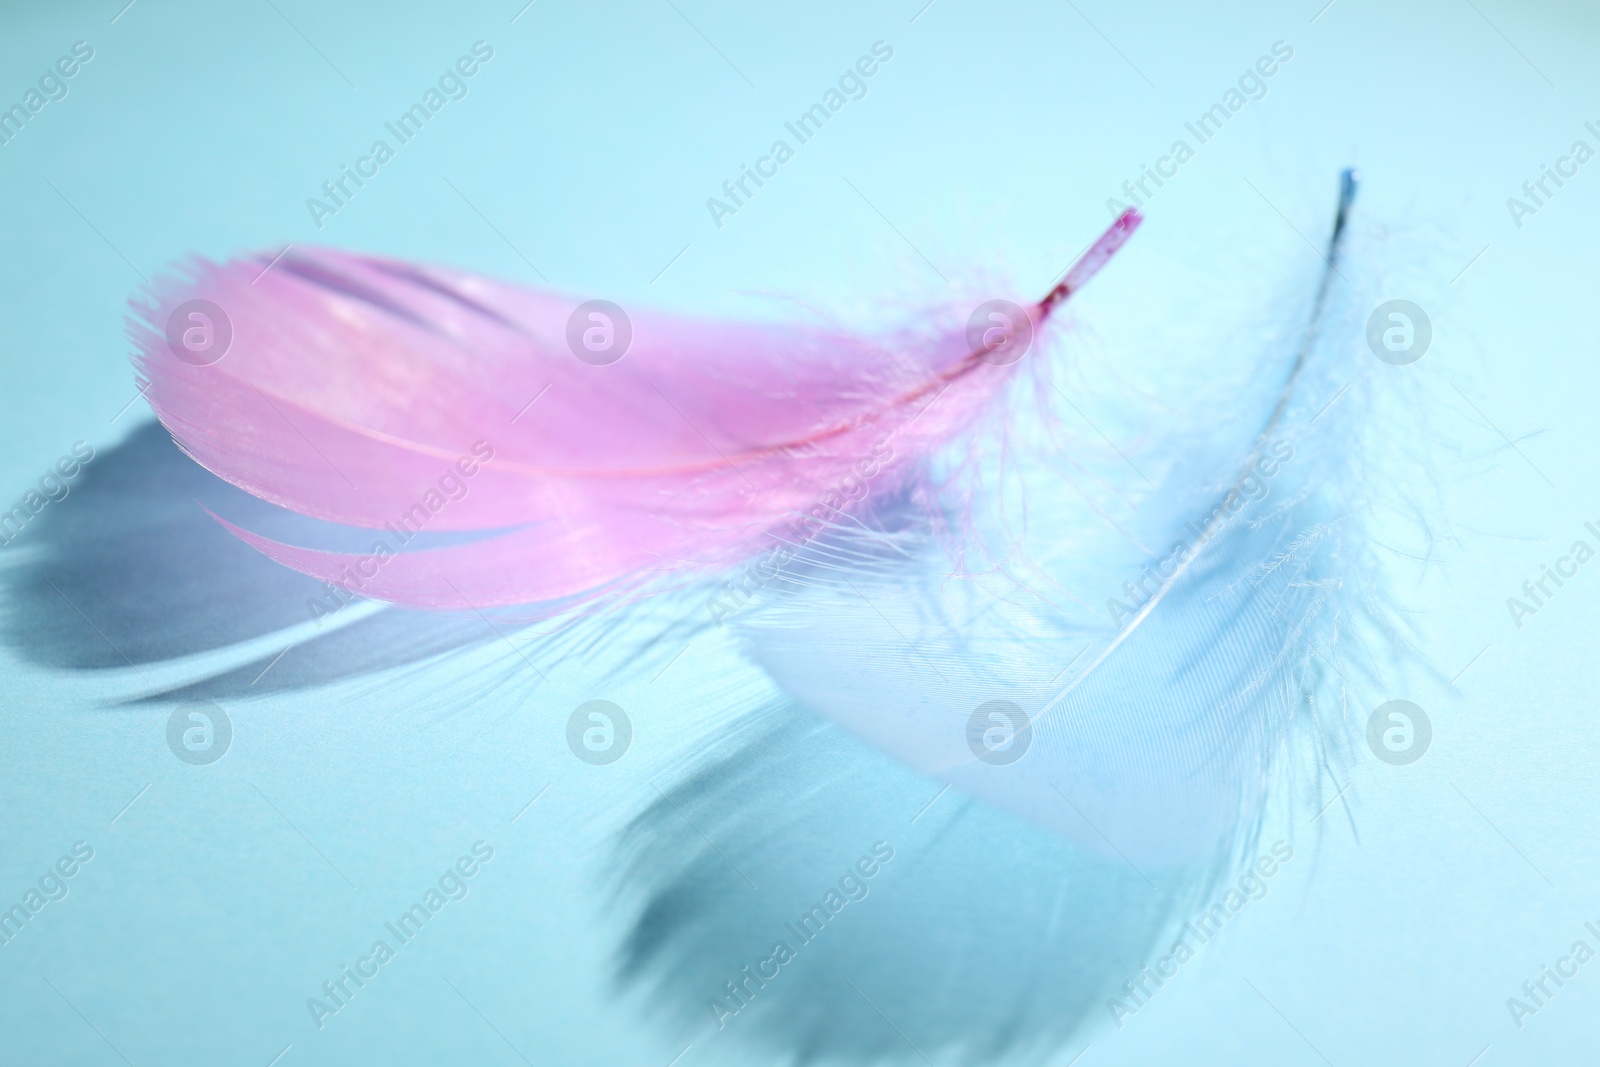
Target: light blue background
{"points": [[591, 141]]}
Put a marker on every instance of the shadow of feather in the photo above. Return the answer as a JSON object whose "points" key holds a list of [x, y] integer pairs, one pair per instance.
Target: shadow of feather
{"points": [[128, 570], [982, 937]]}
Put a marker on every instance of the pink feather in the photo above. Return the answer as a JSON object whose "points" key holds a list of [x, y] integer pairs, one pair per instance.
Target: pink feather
{"points": [[353, 384]]}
